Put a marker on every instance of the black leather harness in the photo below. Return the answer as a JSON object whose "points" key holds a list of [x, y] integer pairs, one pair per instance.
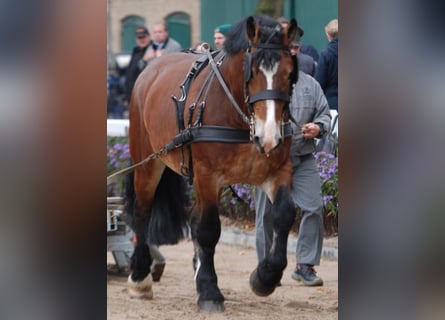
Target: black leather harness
{"points": [[198, 132]]}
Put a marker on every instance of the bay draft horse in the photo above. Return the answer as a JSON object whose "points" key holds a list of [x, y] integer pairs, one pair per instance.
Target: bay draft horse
{"points": [[234, 129]]}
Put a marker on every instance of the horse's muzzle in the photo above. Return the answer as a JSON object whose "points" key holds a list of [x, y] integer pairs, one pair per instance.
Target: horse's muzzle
{"points": [[266, 147]]}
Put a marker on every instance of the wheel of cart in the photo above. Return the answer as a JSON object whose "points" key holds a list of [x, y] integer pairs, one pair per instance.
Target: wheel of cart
{"points": [[119, 236]]}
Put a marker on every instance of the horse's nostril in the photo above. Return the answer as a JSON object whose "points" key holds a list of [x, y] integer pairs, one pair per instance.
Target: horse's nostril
{"points": [[257, 141]]}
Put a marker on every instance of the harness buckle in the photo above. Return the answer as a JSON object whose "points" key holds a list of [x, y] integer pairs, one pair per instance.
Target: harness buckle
{"points": [[252, 127]]}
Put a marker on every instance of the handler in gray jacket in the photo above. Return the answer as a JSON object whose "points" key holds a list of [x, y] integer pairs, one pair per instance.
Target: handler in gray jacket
{"points": [[310, 109]]}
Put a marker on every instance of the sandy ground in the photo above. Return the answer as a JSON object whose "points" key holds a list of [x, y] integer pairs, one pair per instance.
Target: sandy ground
{"points": [[175, 295]]}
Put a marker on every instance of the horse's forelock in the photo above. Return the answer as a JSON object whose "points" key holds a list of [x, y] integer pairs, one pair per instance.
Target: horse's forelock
{"points": [[268, 58], [237, 39]]}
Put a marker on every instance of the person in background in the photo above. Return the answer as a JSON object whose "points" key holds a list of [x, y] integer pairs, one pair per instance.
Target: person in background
{"points": [[162, 43], [201, 47], [305, 63], [305, 48], [219, 36], [327, 68], [136, 63], [115, 94], [309, 106]]}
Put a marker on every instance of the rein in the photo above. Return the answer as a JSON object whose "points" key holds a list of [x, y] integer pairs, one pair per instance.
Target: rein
{"points": [[226, 89]]}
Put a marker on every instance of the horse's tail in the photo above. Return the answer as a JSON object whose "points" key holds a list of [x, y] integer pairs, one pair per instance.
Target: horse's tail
{"points": [[130, 201], [169, 221]]}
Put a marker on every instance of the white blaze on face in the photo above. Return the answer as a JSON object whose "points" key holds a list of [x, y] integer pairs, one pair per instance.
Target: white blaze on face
{"points": [[269, 130]]}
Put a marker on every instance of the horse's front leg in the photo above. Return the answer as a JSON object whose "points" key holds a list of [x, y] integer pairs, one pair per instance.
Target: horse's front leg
{"points": [[267, 275], [206, 230]]}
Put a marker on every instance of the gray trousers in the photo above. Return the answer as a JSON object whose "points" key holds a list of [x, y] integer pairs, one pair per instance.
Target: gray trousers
{"points": [[306, 193]]}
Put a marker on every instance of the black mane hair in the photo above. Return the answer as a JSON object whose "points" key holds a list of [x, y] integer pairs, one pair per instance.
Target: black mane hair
{"points": [[270, 32]]}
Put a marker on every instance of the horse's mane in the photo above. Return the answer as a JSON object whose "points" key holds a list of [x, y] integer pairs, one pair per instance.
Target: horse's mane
{"points": [[270, 32]]}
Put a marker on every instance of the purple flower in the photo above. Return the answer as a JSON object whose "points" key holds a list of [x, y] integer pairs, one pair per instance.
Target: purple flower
{"points": [[328, 169]]}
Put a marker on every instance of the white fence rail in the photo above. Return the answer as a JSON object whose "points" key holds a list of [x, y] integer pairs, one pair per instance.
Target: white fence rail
{"points": [[117, 127]]}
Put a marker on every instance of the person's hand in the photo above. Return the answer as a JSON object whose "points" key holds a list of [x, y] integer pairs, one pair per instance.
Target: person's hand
{"points": [[159, 52], [150, 54], [310, 130]]}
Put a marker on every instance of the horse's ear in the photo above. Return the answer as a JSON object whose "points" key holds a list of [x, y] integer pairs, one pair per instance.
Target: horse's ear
{"points": [[251, 28], [292, 30]]}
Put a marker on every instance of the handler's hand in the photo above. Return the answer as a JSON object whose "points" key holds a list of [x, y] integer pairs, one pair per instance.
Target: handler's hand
{"points": [[310, 130]]}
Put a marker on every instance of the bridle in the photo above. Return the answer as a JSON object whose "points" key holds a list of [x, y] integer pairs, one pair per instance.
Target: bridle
{"points": [[265, 94], [249, 100]]}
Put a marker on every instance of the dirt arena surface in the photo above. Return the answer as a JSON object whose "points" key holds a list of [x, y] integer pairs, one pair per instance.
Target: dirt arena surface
{"points": [[175, 295]]}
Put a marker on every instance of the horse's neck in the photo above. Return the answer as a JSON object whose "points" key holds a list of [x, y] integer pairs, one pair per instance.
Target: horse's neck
{"points": [[232, 72]]}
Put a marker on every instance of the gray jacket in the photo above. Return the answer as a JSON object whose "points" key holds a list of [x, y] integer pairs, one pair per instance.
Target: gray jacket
{"points": [[171, 46], [308, 104]]}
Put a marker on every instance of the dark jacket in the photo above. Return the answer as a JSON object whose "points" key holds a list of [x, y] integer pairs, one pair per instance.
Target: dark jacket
{"points": [[134, 69], [327, 73], [310, 50]]}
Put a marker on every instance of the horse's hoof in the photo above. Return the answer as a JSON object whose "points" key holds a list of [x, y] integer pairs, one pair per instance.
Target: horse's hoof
{"points": [[140, 289], [257, 287], [211, 306]]}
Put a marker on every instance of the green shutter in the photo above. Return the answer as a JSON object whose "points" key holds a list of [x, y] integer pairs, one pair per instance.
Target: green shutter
{"points": [[129, 25], [179, 28]]}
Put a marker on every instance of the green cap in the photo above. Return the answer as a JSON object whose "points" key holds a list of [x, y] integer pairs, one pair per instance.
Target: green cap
{"points": [[224, 28]]}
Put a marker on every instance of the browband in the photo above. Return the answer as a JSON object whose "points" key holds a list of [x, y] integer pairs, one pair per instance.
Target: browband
{"points": [[270, 46]]}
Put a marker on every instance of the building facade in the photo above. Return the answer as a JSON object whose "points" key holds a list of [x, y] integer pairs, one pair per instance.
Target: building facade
{"points": [[183, 19], [191, 21]]}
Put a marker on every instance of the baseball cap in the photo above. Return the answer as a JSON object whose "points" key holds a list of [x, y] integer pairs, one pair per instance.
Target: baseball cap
{"points": [[224, 28], [142, 31]]}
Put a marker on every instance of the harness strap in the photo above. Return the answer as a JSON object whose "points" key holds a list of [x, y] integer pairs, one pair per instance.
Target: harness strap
{"points": [[226, 89], [270, 46], [210, 133], [269, 94], [196, 67], [206, 133]]}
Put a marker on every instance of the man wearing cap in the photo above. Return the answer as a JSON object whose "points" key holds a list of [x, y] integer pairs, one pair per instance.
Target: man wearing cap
{"points": [[219, 36], [305, 48], [136, 63], [305, 62]]}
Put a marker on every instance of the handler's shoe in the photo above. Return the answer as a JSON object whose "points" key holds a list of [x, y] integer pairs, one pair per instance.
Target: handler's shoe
{"points": [[306, 273], [156, 271]]}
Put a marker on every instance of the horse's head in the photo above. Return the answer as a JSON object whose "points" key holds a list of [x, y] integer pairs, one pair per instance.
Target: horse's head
{"points": [[267, 69]]}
